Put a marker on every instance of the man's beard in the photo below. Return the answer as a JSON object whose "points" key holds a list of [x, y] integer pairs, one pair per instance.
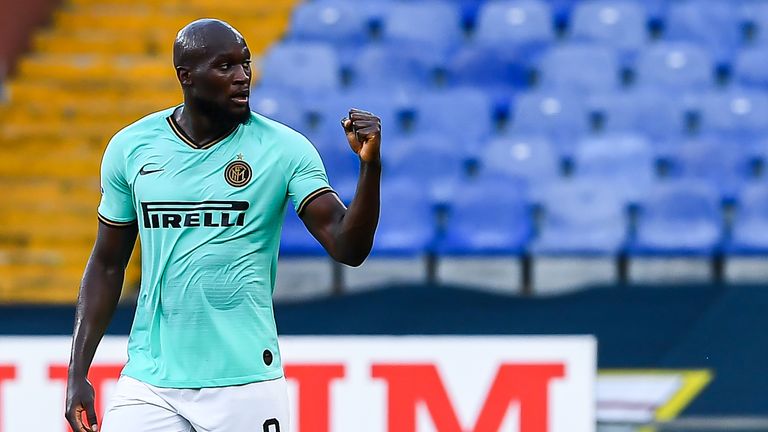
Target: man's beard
{"points": [[222, 115]]}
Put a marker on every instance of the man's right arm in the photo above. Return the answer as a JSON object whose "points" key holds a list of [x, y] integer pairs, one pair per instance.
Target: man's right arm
{"points": [[96, 303]]}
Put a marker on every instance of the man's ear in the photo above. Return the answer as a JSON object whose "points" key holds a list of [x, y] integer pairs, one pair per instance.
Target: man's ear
{"points": [[184, 75]]}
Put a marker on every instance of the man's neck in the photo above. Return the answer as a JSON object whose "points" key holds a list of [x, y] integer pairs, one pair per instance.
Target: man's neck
{"points": [[201, 128]]}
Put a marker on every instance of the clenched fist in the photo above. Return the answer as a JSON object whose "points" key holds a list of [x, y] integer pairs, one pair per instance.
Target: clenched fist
{"points": [[363, 131]]}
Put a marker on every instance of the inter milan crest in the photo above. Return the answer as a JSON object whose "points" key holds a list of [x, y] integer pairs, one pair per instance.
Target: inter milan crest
{"points": [[238, 173]]}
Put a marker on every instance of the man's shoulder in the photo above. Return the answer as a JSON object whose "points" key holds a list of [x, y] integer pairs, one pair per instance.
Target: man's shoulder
{"points": [[151, 123], [279, 134]]}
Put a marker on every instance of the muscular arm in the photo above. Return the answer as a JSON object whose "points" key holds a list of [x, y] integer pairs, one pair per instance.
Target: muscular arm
{"points": [[347, 233], [96, 303]]}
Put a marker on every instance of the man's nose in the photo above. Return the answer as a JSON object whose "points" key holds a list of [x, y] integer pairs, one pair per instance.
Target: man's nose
{"points": [[241, 74]]}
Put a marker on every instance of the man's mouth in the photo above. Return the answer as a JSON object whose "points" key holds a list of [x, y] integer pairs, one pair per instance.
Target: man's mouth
{"points": [[240, 98]]}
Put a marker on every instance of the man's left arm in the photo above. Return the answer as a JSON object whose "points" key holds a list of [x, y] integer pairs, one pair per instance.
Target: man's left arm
{"points": [[347, 233]]}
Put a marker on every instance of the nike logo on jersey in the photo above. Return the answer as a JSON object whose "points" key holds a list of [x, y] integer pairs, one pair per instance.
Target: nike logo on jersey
{"points": [[144, 171]]}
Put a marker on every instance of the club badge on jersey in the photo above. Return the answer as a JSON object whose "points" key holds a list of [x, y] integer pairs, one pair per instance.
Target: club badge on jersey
{"points": [[238, 173]]}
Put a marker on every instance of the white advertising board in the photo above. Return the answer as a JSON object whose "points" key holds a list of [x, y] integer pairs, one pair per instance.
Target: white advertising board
{"points": [[346, 384]]}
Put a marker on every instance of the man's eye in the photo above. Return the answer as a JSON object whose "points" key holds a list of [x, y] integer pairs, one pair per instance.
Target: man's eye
{"points": [[224, 66]]}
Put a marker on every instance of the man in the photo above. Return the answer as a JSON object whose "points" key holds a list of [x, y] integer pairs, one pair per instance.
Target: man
{"points": [[206, 185]]}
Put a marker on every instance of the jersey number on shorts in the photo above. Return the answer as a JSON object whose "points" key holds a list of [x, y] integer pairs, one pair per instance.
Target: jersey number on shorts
{"points": [[271, 422]]}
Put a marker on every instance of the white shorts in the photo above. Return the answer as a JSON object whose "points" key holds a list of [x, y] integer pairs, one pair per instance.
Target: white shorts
{"points": [[257, 407]]}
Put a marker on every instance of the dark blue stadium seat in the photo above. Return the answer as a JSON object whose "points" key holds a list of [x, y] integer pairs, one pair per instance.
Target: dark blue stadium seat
{"points": [[528, 157], [750, 67], [496, 71], [580, 66], [675, 66], [644, 110], [737, 113], [621, 24], [581, 217], [624, 162], [305, 67], [466, 114], [678, 218], [657, 9], [296, 239], [562, 9], [749, 235], [724, 165], [433, 160], [392, 66], [430, 24], [715, 25], [561, 115], [407, 224], [336, 21], [754, 15], [279, 105], [487, 218], [515, 23]]}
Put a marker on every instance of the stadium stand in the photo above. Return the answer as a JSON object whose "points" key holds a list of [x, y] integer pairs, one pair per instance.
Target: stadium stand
{"points": [[98, 66], [657, 102]]}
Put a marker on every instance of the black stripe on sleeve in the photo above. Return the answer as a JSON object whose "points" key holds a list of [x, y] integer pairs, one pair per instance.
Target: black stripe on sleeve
{"points": [[311, 197], [114, 223]]}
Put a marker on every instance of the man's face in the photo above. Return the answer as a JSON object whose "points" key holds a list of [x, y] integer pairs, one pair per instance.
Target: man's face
{"points": [[221, 80]]}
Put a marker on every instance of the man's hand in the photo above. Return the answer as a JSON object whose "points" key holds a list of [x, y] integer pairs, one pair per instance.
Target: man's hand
{"points": [[363, 131], [80, 397]]}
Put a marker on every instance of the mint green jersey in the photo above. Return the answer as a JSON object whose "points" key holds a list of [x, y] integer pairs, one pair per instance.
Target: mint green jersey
{"points": [[209, 220]]}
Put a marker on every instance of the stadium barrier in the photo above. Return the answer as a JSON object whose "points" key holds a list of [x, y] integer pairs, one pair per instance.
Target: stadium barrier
{"points": [[349, 384]]}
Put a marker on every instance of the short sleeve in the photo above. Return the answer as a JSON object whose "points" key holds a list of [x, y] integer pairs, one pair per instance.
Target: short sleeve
{"points": [[308, 179], [116, 206]]}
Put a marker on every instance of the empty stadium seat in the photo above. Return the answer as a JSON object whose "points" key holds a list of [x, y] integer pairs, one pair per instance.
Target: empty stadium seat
{"points": [[724, 165], [585, 217], [391, 65], [750, 67], [487, 225], [496, 71], [583, 67], [754, 16], [336, 21], [431, 24], [623, 162], [406, 231], [675, 66], [715, 25], [304, 67], [466, 114], [646, 111], [678, 218], [749, 235], [515, 23], [527, 157], [433, 160], [407, 224], [621, 24], [737, 113], [279, 105], [562, 116]]}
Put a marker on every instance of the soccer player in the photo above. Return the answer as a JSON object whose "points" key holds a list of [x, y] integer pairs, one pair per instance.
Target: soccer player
{"points": [[206, 184]]}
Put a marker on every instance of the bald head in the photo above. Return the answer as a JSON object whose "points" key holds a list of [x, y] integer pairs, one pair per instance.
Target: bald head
{"points": [[203, 39], [213, 65]]}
